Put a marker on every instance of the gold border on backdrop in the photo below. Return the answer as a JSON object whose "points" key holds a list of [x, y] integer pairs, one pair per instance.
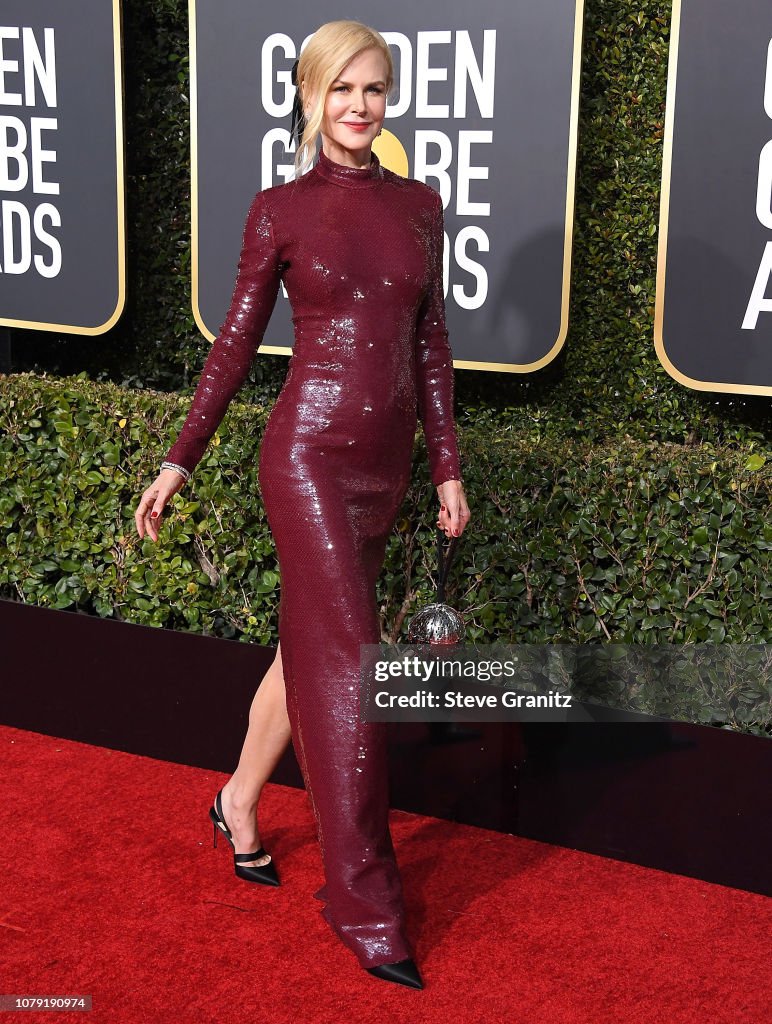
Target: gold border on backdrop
{"points": [[120, 203], [664, 210], [468, 364]]}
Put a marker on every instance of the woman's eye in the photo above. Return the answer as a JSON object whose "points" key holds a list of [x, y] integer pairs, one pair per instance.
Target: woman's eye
{"points": [[372, 88]]}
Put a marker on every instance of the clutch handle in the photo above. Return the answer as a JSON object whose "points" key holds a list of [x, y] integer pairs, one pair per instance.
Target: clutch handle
{"points": [[444, 562]]}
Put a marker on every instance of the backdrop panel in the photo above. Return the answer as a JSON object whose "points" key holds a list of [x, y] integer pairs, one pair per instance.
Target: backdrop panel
{"points": [[484, 109], [713, 317], [62, 262]]}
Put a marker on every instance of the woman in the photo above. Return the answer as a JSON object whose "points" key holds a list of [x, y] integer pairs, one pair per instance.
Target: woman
{"points": [[360, 251]]}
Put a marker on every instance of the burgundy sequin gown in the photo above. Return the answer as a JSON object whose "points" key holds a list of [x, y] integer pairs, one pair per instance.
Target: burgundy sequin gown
{"points": [[360, 251]]}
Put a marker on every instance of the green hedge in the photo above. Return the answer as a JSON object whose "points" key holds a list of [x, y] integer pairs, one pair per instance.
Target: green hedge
{"points": [[633, 542]]}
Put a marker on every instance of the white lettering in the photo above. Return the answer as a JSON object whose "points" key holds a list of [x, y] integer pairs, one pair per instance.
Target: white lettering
{"points": [[466, 171], [468, 70], [440, 169], [16, 259], [477, 270], [17, 231], [41, 156], [54, 267], [425, 74], [13, 152], [764, 190], [39, 70], [8, 99], [404, 73], [758, 303], [42, 68], [282, 44]]}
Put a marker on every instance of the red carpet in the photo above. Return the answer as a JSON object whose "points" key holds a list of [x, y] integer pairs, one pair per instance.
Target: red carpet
{"points": [[111, 888]]}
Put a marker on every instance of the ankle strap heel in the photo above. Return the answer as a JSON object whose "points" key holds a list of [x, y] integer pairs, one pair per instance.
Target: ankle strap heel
{"points": [[264, 874]]}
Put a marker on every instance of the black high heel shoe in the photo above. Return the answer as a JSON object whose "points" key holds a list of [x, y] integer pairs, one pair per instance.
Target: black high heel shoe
{"points": [[404, 972], [266, 874]]}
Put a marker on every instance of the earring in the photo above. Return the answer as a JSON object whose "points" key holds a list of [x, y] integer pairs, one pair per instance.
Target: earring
{"points": [[380, 130]]}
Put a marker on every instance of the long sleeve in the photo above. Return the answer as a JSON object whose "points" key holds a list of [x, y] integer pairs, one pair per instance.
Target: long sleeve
{"points": [[434, 366], [229, 360]]}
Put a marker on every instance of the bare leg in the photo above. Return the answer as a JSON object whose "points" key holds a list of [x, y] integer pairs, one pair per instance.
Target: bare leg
{"points": [[266, 739]]}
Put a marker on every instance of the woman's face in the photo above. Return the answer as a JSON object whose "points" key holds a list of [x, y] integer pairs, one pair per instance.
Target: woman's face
{"points": [[355, 107]]}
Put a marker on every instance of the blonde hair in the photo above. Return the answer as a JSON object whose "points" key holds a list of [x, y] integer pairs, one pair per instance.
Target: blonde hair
{"points": [[328, 51]]}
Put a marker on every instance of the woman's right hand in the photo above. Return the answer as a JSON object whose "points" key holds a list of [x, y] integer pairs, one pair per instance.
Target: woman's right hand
{"points": [[454, 515], [150, 509]]}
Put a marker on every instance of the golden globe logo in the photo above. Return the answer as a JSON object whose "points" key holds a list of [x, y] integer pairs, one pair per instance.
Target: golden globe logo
{"points": [[454, 158]]}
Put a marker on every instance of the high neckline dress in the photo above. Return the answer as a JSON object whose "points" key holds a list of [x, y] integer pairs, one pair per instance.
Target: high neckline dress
{"points": [[360, 252]]}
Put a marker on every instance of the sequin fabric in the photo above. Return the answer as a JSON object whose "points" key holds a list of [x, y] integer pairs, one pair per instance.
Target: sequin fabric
{"points": [[360, 252]]}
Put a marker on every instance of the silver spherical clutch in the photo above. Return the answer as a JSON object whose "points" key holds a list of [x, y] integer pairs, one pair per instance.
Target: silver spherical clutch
{"points": [[438, 623]]}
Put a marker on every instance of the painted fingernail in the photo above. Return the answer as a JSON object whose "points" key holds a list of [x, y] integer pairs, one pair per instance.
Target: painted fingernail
{"points": [[153, 515], [442, 508]]}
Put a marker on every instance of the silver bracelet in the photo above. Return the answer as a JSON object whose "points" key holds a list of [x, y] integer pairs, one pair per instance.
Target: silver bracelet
{"points": [[179, 469]]}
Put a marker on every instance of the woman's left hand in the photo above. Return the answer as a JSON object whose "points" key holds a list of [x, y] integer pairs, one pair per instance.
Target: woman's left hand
{"points": [[454, 511]]}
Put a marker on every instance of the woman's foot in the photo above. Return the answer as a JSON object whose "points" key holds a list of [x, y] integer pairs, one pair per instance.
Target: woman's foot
{"points": [[240, 816], [404, 972]]}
